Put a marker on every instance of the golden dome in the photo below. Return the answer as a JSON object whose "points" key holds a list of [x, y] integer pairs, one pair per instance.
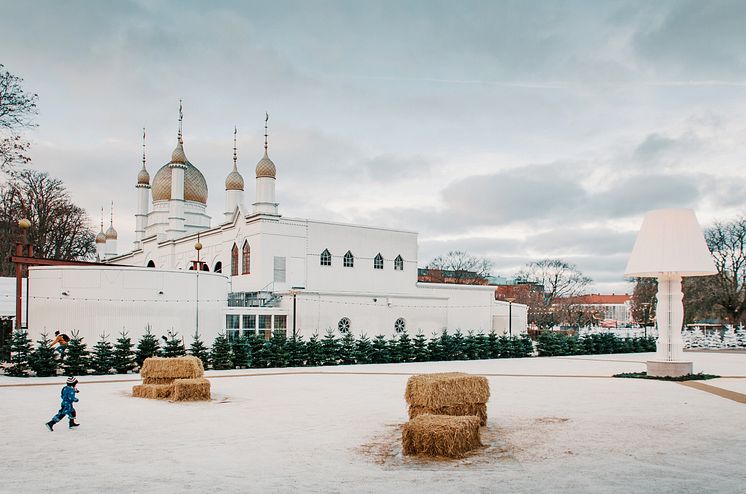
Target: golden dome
{"points": [[143, 178], [234, 181], [265, 167], [111, 233], [179, 156], [195, 186], [101, 237]]}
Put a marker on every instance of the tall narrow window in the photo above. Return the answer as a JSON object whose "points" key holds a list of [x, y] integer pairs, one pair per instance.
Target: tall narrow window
{"points": [[378, 261], [280, 269], [234, 260], [326, 258], [349, 260], [246, 258], [398, 264], [218, 267]]}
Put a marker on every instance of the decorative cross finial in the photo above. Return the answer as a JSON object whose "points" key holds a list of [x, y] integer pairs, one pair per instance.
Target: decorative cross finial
{"points": [[112, 213], [235, 156], [181, 117], [143, 148], [102, 219], [266, 119]]}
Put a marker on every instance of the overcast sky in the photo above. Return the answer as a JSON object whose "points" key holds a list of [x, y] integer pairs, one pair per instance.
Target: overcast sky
{"points": [[512, 130]]}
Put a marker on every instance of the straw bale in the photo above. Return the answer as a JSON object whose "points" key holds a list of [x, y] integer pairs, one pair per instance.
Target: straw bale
{"points": [[191, 390], [187, 367], [477, 409], [441, 435], [157, 380], [446, 389], [153, 391]]}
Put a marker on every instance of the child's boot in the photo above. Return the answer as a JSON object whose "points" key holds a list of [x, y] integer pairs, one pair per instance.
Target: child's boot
{"points": [[50, 425], [73, 423]]}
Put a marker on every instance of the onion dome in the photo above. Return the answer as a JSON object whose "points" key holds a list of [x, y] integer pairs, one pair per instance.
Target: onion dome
{"points": [[195, 185], [265, 167], [178, 156], [101, 237], [143, 178], [111, 233], [234, 181]]}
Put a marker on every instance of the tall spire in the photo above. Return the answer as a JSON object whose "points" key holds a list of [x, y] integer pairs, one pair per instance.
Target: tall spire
{"points": [[102, 219], [111, 223], [143, 148], [266, 119], [235, 156], [181, 117]]}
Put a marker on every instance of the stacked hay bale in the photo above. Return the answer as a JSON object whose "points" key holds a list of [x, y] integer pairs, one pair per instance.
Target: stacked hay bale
{"points": [[178, 379], [449, 393], [445, 412]]}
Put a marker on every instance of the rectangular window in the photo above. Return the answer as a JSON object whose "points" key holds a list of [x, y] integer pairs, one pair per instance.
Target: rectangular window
{"points": [[247, 332], [232, 334], [281, 322], [265, 321], [231, 321], [279, 269], [249, 321]]}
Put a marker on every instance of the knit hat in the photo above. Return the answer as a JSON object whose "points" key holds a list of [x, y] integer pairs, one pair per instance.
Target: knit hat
{"points": [[72, 380]]}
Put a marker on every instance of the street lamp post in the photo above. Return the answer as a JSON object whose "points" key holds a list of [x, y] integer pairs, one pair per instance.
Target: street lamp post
{"points": [[22, 245], [198, 247], [510, 301], [294, 291], [645, 314]]}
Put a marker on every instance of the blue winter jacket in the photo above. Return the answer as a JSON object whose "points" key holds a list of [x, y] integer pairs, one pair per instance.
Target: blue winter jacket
{"points": [[68, 397]]}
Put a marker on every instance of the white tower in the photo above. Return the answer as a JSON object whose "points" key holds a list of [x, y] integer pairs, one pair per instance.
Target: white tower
{"points": [[111, 237], [178, 166], [143, 191], [233, 186], [265, 181], [101, 240]]}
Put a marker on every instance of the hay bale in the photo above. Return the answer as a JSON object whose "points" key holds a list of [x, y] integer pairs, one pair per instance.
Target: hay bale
{"points": [[153, 391], [479, 410], [446, 389], [191, 390], [441, 435], [157, 380], [159, 368]]}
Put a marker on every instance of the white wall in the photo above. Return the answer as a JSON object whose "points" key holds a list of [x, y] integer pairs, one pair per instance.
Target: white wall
{"points": [[95, 300], [8, 297]]}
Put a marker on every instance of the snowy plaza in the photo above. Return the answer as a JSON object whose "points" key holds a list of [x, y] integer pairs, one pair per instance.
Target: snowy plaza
{"points": [[558, 424]]}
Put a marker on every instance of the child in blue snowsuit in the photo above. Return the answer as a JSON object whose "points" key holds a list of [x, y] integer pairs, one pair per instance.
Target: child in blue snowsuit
{"points": [[68, 398]]}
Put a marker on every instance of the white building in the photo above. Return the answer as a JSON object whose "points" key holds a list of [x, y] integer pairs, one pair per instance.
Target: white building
{"points": [[266, 271]]}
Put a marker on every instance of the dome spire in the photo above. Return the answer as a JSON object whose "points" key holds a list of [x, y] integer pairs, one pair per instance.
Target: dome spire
{"points": [[265, 167], [101, 237], [266, 119], [234, 180], [178, 156], [111, 233], [181, 117], [235, 156], [143, 178]]}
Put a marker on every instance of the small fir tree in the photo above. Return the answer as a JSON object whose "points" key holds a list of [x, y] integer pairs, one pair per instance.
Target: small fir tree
{"points": [[380, 353], [435, 348], [404, 347], [174, 346], [241, 352], [393, 350], [123, 358], [296, 350], [493, 345], [470, 346], [42, 361], [148, 346], [260, 351], [505, 346], [457, 346], [480, 341], [199, 350], [363, 350], [103, 356], [329, 348], [221, 355], [278, 352], [528, 345], [77, 356], [20, 354], [347, 349], [419, 348], [446, 346], [313, 351]]}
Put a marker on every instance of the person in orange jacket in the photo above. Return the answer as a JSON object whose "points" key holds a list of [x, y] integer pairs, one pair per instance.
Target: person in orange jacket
{"points": [[61, 340]]}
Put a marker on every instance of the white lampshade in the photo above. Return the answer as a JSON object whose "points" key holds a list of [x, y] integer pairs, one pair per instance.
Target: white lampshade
{"points": [[670, 241]]}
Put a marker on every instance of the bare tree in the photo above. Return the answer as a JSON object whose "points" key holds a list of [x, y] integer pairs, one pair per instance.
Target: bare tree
{"points": [[461, 268], [59, 228], [17, 109], [643, 303]]}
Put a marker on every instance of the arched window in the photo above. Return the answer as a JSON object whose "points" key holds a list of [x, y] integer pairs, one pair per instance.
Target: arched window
{"points": [[400, 325], [349, 260], [234, 260], [191, 267], [326, 258], [205, 267], [344, 325], [378, 261], [246, 261], [398, 264], [218, 267], [151, 264]]}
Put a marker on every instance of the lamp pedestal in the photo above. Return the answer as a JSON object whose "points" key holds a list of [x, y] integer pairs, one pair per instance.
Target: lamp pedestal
{"points": [[670, 356]]}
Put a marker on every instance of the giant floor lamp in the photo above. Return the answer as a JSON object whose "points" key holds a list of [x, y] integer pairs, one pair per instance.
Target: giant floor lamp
{"points": [[670, 246]]}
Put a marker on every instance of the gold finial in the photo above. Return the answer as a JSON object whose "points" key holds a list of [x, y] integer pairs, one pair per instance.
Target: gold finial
{"points": [[266, 119], [143, 148], [24, 224], [181, 117], [102, 219], [112, 214], [235, 156]]}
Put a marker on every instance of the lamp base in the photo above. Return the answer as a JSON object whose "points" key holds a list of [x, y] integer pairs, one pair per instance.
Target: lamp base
{"points": [[669, 368]]}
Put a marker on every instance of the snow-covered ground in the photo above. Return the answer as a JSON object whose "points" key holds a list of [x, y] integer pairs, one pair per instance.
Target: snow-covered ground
{"points": [[555, 425]]}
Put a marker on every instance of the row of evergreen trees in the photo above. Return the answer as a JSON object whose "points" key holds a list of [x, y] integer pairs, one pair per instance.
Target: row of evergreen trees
{"points": [[254, 351], [550, 344]]}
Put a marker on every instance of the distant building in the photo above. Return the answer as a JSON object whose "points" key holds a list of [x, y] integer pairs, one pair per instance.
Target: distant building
{"points": [[610, 308]]}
